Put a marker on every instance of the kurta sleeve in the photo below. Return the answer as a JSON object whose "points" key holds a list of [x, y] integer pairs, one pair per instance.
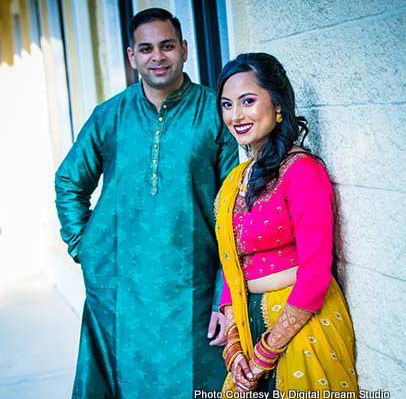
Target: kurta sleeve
{"points": [[310, 200], [227, 156], [227, 160], [75, 180]]}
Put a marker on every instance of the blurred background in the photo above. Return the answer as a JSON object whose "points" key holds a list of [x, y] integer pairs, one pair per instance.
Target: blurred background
{"points": [[59, 58]]}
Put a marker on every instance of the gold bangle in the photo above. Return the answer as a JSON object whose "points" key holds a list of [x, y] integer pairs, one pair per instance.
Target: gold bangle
{"points": [[229, 327], [230, 355], [264, 368], [265, 359], [266, 346], [230, 362], [230, 343], [229, 347]]}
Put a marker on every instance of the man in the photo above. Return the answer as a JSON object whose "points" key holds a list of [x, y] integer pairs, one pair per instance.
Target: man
{"points": [[148, 250]]}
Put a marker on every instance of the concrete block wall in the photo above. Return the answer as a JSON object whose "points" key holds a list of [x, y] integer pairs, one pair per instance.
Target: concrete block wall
{"points": [[347, 62]]}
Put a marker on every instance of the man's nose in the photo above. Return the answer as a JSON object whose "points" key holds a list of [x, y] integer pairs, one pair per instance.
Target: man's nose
{"points": [[158, 55]]}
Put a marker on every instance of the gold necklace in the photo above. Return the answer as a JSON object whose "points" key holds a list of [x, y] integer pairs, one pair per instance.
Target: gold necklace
{"points": [[242, 186]]}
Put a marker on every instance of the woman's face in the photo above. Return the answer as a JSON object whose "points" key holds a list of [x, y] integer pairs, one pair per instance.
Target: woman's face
{"points": [[247, 109]]}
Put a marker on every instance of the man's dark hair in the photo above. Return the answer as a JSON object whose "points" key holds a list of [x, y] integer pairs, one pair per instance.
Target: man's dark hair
{"points": [[150, 15]]}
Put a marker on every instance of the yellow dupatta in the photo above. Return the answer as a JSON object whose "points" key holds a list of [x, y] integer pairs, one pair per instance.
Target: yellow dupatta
{"points": [[229, 257]]}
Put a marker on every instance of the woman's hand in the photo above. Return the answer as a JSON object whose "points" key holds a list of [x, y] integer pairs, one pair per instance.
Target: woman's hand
{"points": [[257, 372], [290, 322], [243, 378]]}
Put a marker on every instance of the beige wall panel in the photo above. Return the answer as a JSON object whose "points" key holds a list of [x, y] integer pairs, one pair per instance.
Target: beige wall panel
{"points": [[7, 40], [25, 25], [143, 4], [346, 61]]}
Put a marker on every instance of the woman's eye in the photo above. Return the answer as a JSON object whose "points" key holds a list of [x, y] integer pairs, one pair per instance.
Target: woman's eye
{"points": [[226, 104], [248, 101]]}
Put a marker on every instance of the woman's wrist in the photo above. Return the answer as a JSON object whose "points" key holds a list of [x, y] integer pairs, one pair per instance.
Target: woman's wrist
{"points": [[266, 356]]}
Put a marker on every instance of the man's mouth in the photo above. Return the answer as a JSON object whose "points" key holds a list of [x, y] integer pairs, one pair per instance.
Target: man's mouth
{"points": [[161, 70], [242, 129]]}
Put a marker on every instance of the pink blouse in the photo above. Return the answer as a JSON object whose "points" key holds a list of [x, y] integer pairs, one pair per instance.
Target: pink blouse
{"points": [[290, 225]]}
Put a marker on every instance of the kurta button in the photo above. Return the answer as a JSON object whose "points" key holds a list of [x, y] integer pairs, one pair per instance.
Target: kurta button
{"points": [[154, 161], [160, 119], [157, 132], [164, 106], [155, 146], [154, 176]]}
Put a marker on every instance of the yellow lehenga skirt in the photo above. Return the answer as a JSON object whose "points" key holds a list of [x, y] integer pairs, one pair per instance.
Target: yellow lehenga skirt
{"points": [[321, 356]]}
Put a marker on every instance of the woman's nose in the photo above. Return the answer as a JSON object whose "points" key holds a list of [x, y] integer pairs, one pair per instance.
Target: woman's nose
{"points": [[237, 115]]}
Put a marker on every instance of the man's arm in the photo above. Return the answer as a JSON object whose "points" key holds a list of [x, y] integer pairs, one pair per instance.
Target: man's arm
{"points": [[75, 181], [227, 159]]}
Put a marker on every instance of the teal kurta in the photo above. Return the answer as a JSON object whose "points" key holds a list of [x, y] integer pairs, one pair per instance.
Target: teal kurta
{"points": [[148, 250]]}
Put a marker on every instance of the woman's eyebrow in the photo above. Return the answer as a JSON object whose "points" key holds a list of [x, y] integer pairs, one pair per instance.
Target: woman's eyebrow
{"points": [[246, 94]]}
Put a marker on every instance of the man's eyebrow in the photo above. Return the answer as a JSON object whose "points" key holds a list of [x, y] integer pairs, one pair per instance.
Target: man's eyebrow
{"points": [[168, 41], [162, 42]]}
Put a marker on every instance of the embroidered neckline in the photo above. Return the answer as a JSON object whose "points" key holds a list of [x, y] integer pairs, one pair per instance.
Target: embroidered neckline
{"points": [[273, 185], [240, 206]]}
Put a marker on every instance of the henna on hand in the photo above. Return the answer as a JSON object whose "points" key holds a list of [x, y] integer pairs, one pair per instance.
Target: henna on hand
{"points": [[290, 322], [243, 378]]}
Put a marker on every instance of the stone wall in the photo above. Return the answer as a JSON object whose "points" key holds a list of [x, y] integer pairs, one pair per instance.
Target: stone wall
{"points": [[346, 60]]}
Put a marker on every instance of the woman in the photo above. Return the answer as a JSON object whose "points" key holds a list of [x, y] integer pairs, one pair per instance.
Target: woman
{"points": [[288, 324]]}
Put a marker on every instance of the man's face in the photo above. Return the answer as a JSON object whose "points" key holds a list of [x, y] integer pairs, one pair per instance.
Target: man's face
{"points": [[158, 55]]}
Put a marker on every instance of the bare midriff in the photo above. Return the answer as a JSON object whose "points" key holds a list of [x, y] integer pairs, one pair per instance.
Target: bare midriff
{"points": [[273, 282]]}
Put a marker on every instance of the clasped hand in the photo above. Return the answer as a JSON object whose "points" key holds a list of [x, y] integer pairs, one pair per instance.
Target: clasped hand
{"points": [[245, 374]]}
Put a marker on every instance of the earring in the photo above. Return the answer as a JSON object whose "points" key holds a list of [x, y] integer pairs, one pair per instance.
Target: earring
{"points": [[278, 117]]}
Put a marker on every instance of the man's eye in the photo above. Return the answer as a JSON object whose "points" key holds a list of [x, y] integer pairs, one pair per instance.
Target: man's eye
{"points": [[168, 47], [248, 101], [145, 50]]}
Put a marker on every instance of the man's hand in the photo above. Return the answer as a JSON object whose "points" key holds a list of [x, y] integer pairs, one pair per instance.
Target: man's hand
{"points": [[217, 319]]}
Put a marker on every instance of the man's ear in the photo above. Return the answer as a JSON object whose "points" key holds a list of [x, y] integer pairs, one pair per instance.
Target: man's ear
{"points": [[131, 59], [185, 50]]}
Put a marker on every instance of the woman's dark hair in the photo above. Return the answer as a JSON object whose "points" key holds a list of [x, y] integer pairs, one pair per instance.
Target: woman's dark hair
{"points": [[151, 15], [271, 76]]}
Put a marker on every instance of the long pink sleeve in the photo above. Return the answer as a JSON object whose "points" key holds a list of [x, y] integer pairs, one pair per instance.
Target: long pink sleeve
{"points": [[310, 198]]}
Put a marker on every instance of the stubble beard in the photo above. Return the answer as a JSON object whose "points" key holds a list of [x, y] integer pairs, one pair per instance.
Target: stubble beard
{"points": [[171, 80]]}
